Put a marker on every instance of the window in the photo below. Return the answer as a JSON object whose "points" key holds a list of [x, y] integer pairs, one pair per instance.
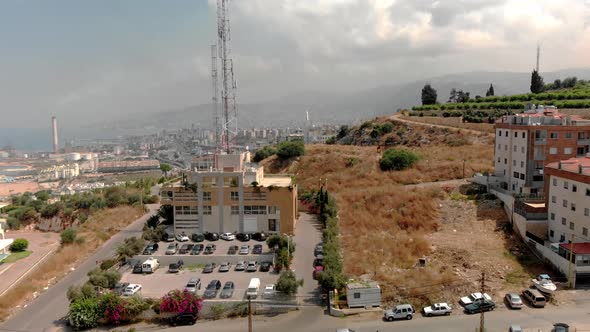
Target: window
{"points": [[552, 150], [586, 212], [207, 209], [573, 207], [566, 185], [206, 195], [581, 135], [357, 295], [515, 134], [551, 233], [515, 175], [272, 210], [514, 163], [522, 164], [522, 149], [565, 203], [523, 134], [234, 196], [568, 134], [235, 210], [584, 231], [499, 146], [272, 225], [552, 216], [499, 160], [567, 150], [563, 221], [587, 191], [522, 177], [506, 162], [186, 210], [572, 226], [562, 238], [499, 133], [505, 147], [553, 199], [254, 209], [574, 188], [554, 135], [506, 133], [514, 148], [554, 182]]}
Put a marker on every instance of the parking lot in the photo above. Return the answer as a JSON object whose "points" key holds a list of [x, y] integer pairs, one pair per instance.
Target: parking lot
{"points": [[161, 281]]}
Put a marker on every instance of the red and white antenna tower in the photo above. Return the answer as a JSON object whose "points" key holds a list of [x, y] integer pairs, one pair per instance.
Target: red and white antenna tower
{"points": [[214, 100], [229, 121]]}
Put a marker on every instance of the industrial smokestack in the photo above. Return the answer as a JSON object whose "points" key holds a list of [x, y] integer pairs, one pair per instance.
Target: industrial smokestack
{"points": [[54, 127]]}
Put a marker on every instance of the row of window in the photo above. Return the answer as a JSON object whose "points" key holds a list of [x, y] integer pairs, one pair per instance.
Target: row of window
{"points": [[254, 209], [572, 205], [193, 210], [515, 134], [562, 236], [552, 135], [566, 185], [517, 175]]}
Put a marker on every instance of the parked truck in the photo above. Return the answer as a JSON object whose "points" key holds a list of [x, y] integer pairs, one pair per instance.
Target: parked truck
{"points": [[150, 265]]}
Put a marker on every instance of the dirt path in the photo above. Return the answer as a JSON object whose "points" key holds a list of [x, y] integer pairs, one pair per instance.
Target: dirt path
{"points": [[398, 117], [454, 183]]}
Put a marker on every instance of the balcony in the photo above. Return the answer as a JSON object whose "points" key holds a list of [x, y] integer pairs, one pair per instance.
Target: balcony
{"points": [[583, 141], [540, 141]]}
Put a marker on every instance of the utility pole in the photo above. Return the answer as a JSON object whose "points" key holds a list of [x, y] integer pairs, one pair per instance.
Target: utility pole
{"points": [[569, 272], [481, 314], [249, 314]]}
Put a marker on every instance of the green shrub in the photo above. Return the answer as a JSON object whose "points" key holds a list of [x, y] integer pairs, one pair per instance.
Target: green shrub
{"points": [[394, 159], [68, 236], [84, 313], [290, 149], [13, 223], [107, 264], [217, 310], [19, 245], [263, 153], [288, 283]]}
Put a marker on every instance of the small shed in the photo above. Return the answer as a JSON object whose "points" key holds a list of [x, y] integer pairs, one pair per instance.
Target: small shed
{"points": [[363, 294]]}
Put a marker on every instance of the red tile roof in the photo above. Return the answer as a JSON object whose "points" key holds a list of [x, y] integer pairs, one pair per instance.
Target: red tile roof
{"points": [[579, 248], [573, 165]]}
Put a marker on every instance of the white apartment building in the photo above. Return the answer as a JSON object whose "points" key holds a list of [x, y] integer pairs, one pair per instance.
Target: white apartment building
{"points": [[568, 200]]}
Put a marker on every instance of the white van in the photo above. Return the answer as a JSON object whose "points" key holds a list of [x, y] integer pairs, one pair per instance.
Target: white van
{"points": [[150, 265], [253, 287]]}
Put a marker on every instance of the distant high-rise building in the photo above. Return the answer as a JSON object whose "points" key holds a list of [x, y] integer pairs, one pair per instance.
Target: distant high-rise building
{"points": [[55, 141]]}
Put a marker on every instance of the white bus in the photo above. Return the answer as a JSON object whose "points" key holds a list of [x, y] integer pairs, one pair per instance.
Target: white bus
{"points": [[253, 287]]}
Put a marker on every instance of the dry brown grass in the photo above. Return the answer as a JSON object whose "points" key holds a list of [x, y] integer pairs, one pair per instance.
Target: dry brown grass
{"points": [[384, 225], [452, 122], [95, 231]]}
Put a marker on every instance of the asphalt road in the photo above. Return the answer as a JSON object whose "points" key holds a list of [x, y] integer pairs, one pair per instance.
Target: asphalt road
{"points": [[307, 235], [46, 313], [313, 319]]}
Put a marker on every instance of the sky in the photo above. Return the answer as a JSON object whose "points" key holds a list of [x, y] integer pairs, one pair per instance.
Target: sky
{"points": [[90, 61]]}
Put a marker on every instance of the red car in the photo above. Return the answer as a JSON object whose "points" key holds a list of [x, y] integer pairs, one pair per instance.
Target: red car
{"points": [[316, 271]]}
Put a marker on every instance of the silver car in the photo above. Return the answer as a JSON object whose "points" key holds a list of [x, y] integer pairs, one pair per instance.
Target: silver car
{"points": [[240, 266], [224, 267], [513, 300], [244, 250]]}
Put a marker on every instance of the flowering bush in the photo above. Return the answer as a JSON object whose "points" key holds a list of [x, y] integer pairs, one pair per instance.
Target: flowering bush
{"points": [[177, 301], [113, 308]]}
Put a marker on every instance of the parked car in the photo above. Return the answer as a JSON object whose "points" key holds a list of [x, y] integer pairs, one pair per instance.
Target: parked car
{"points": [[224, 267], [244, 250], [211, 236], [131, 289], [438, 309], [137, 268], [120, 287], [319, 250], [150, 248], [232, 250], [197, 237], [513, 301], [186, 318], [257, 249], [209, 249], [269, 291], [265, 266], [197, 249], [168, 236], [560, 327], [185, 249], [479, 306], [345, 329], [175, 267], [318, 261], [172, 249], [535, 298], [182, 237], [474, 297], [259, 236], [316, 272], [252, 266], [240, 266], [243, 237], [209, 267], [212, 289], [515, 328], [228, 290], [402, 311], [193, 285], [227, 236]]}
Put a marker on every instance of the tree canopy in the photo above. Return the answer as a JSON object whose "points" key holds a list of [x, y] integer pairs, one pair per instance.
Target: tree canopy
{"points": [[428, 95], [490, 91], [537, 84]]}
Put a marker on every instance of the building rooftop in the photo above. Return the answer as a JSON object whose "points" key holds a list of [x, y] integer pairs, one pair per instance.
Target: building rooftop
{"points": [[276, 180], [543, 116], [579, 248], [579, 165], [362, 284]]}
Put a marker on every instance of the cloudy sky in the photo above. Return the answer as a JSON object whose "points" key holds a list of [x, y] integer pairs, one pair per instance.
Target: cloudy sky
{"points": [[87, 61]]}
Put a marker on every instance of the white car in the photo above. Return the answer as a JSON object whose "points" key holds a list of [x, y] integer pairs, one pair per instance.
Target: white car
{"points": [[437, 309], [131, 289], [181, 237], [244, 250], [475, 297], [227, 236], [269, 291]]}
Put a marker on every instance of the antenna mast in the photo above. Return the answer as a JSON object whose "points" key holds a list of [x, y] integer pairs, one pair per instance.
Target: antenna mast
{"points": [[229, 123], [214, 100]]}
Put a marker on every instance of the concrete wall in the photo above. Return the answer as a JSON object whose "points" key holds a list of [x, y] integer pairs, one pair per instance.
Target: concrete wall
{"points": [[165, 260], [575, 221]]}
